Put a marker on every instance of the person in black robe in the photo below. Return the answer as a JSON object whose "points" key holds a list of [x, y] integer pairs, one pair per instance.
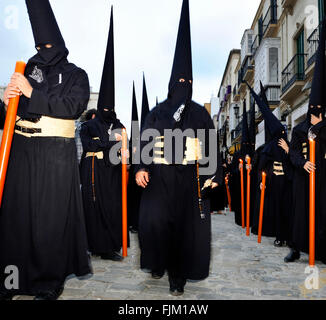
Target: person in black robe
{"points": [[42, 229], [236, 175], [313, 127], [100, 176], [218, 196], [134, 191], [275, 162], [174, 234]]}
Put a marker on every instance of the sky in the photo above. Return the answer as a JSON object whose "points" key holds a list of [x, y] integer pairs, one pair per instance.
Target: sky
{"points": [[145, 37]]}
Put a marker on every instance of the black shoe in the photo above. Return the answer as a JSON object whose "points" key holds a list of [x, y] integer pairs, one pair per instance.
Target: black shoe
{"points": [[6, 296], [157, 275], [49, 295], [177, 286], [278, 243], [112, 256], [292, 256]]}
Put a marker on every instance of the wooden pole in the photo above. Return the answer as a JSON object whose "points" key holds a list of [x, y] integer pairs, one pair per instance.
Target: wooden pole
{"points": [[8, 132], [312, 199], [242, 195], [248, 195], [124, 193], [261, 211], [228, 192]]}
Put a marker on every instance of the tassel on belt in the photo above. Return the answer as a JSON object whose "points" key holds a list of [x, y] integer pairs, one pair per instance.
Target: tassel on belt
{"points": [[46, 127]]}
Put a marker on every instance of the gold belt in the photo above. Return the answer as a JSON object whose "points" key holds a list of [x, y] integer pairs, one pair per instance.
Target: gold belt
{"points": [[99, 155], [193, 147], [47, 127], [278, 168]]}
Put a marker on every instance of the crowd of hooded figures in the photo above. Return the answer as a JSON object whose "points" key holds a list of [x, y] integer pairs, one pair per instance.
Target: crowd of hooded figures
{"points": [[56, 212]]}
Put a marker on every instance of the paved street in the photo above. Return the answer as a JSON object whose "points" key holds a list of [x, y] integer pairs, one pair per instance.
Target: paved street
{"points": [[240, 269]]}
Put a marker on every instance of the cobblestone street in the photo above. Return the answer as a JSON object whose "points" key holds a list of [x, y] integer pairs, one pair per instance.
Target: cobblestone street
{"points": [[240, 269]]}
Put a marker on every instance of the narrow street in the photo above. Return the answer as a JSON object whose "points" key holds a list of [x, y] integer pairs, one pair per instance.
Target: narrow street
{"points": [[240, 269]]}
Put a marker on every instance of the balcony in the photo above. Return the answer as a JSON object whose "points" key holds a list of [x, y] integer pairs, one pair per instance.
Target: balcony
{"points": [[248, 69], [293, 77], [270, 22], [273, 94], [236, 133], [236, 96], [255, 45], [313, 42], [288, 3], [241, 85]]}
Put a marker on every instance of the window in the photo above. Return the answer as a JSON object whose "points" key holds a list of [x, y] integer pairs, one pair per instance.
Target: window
{"points": [[273, 65]]}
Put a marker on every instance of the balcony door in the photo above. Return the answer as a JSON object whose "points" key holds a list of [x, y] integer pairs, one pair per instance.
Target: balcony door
{"points": [[300, 55]]}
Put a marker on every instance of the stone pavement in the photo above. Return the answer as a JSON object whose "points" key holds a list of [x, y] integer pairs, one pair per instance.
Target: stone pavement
{"points": [[240, 269]]}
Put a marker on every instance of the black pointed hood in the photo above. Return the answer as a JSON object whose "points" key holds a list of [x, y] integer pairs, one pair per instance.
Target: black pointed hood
{"points": [[181, 92], [318, 92], [273, 124], [156, 100], [268, 135], [106, 98], [245, 143], [44, 24], [46, 31], [252, 125], [145, 105], [134, 132]]}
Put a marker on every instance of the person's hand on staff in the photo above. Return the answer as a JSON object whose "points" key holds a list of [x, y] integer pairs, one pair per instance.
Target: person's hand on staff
{"points": [[261, 186], [282, 143], [240, 165], [118, 137], [11, 92], [309, 166], [248, 166], [142, 178], [21, 82]]}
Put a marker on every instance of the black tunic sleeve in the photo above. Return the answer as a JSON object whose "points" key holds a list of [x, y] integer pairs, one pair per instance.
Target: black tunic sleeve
{"points": [[296, 155], [67, 106], [91, 145], [219, 168]]}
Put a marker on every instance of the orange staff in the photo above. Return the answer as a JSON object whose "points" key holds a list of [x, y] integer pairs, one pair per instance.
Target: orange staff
{"points": [[248, 194], [312, 205], [261, 212], [242, 194], [124, 193], [228, 191], [8, 132]]}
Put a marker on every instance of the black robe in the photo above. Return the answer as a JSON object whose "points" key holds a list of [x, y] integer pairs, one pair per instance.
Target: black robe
{"points": [[104, 215], [218, 196], [235, 188], [299, 154], [172, 234], [2, 115], [278, 193], [42, 229]]}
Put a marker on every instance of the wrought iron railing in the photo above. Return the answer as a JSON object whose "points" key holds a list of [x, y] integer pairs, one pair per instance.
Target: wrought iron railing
{"points": [[270, 17], [313, 42], [255, 46], [294, 71], [247, 65]]}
